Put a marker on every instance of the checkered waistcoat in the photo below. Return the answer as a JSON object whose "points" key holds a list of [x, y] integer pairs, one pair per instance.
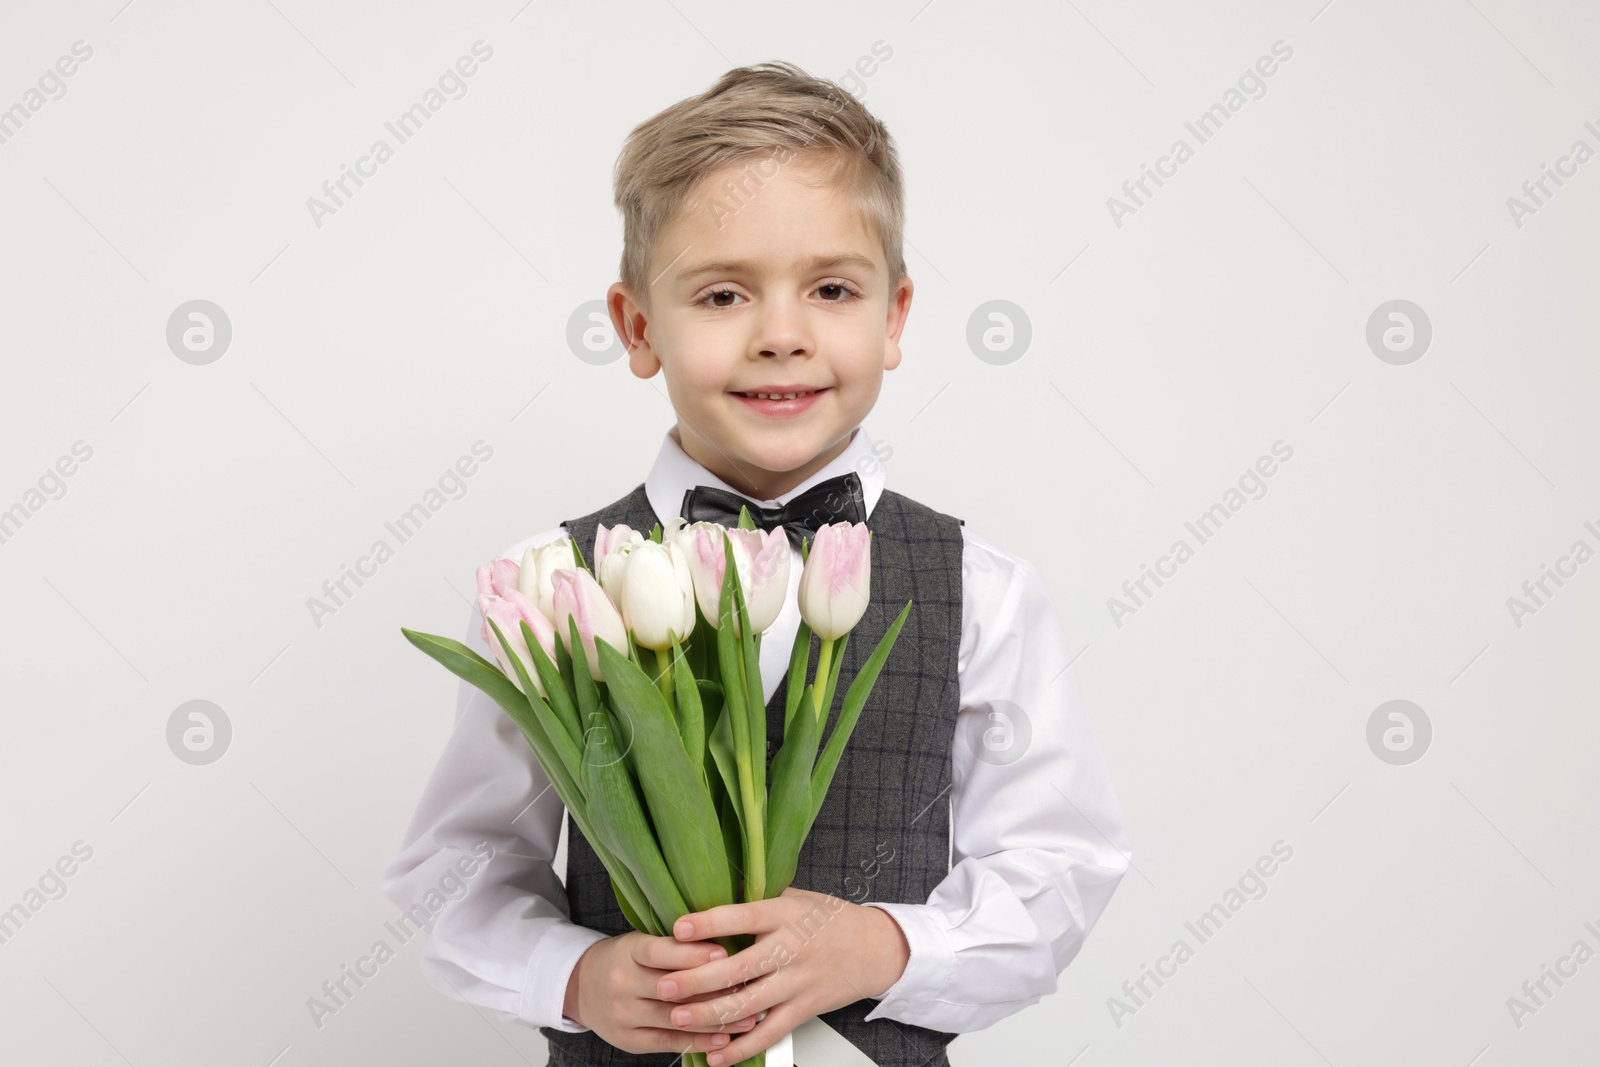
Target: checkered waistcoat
{"points": [[883, 833]]}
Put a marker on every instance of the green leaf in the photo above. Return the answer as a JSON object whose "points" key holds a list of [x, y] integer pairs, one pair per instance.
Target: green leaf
{"points": [[789, 807], [475, 670], [633, 917], [691, 714], [755, 697], [618, 816], [674, 786], [467, 665], [472, 668], [564, 663], [822, 776], [558, 691], [577, 554], [720, 743], [731, 671], [582, 679], [732, 835], [799, 664], [550, 727]]}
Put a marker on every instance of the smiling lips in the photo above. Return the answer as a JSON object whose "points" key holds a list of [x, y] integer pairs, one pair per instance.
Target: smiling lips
{"points": [[780, 400]]}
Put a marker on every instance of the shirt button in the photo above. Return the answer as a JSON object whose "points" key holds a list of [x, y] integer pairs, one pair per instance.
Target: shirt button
{"points": [[896, 1005]]}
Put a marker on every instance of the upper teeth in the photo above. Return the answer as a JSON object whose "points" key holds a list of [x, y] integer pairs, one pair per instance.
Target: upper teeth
{"points": [[776, 396]]}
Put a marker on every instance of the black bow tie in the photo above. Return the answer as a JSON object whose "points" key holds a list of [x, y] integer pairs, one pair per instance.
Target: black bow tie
{"points": [[838, 499]]}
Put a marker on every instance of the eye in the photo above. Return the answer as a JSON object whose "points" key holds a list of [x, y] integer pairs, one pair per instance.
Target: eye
{"points": [[845, 290], [713, 294]]}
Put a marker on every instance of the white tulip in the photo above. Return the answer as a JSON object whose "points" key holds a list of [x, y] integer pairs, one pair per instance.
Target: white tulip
{"points": [[657, 597], [538, 563], [609, 544]]}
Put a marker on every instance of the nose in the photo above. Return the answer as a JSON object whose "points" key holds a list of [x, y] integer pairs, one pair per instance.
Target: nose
{"points": [[783, 329]]}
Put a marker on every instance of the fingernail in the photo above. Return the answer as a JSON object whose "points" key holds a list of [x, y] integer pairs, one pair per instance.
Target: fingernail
{"points": [[684, 928], [720, 1039], [718, 953], [681, 1017], [669, 989], [715, 1059]]}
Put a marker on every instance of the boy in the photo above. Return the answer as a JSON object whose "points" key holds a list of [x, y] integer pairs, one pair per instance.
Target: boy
{"points": [[762, 274]]}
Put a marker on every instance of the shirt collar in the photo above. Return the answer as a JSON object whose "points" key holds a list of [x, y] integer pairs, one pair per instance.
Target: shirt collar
{"points": [[675, 473]]}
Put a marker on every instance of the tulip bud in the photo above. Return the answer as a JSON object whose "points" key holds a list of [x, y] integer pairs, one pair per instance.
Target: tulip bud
{"points": [[657, 594], [702, 545], [835, 581], [500, 599], [498, 577], [579, 596], [610, 543], [768, 586], [538, 563]]}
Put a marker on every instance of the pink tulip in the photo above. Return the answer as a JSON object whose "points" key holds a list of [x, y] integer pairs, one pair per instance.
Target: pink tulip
{"points": [[578, 596], [836, 579], [768, 585], [702, 544], [494, 579], [500, 599]]}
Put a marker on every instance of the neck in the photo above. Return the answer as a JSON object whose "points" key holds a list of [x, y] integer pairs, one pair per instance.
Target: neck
{"points": [[755, 482]]}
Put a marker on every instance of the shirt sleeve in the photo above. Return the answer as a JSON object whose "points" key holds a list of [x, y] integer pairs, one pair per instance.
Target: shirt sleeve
{"points": [[506, 941], [1038, 844]]}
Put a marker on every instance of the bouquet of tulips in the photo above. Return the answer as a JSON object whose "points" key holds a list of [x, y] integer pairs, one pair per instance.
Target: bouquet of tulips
{"points": [[638, 686]]}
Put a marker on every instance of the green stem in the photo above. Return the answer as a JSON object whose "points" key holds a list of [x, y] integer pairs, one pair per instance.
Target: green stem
{"points": [[664, 679], [824, 661], [755, 848]]}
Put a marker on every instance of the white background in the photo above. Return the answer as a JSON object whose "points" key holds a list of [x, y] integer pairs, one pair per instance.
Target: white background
{"points": [[1167, 354]]}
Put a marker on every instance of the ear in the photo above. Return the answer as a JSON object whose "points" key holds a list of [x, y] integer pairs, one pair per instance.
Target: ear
{"points": [[899, 311], [632, 323]]}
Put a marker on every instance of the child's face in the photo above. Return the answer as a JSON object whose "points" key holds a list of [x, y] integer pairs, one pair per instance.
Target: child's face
{"points": [[766, 312]]}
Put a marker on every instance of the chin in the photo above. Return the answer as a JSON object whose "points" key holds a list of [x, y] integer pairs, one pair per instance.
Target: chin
{"points": [[795, 450]]}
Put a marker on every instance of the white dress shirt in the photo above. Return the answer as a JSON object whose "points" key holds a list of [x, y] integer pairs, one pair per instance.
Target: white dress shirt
{"points": [[1037, 841]]}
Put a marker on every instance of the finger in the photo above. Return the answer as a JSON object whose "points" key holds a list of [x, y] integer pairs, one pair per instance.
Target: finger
{"points": [[708, 1013], [656, 1040], [722, 1011], [669, 954], [779, 1021], [747, 965], [725, 920], [735, 1022]]}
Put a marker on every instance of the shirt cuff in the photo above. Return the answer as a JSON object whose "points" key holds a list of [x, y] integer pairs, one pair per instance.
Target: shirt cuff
{"points": [[544, 990], [914, 998]]}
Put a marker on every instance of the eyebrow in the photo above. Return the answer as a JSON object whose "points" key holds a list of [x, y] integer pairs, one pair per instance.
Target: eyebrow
{"points": [[842, 259]]}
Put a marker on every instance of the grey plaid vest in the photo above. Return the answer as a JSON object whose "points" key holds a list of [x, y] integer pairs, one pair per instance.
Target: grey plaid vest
{"points": [[883, 833]]}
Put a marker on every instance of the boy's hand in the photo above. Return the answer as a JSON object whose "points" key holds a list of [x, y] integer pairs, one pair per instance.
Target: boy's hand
{"points": [[813, 953], [612, 991]]}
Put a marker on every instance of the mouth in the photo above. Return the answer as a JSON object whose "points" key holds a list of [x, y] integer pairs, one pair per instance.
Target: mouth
{"points": [[780, 401]]}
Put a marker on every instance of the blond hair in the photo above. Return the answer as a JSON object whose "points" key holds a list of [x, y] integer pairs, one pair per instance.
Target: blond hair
{"points": [[768, 109]]}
